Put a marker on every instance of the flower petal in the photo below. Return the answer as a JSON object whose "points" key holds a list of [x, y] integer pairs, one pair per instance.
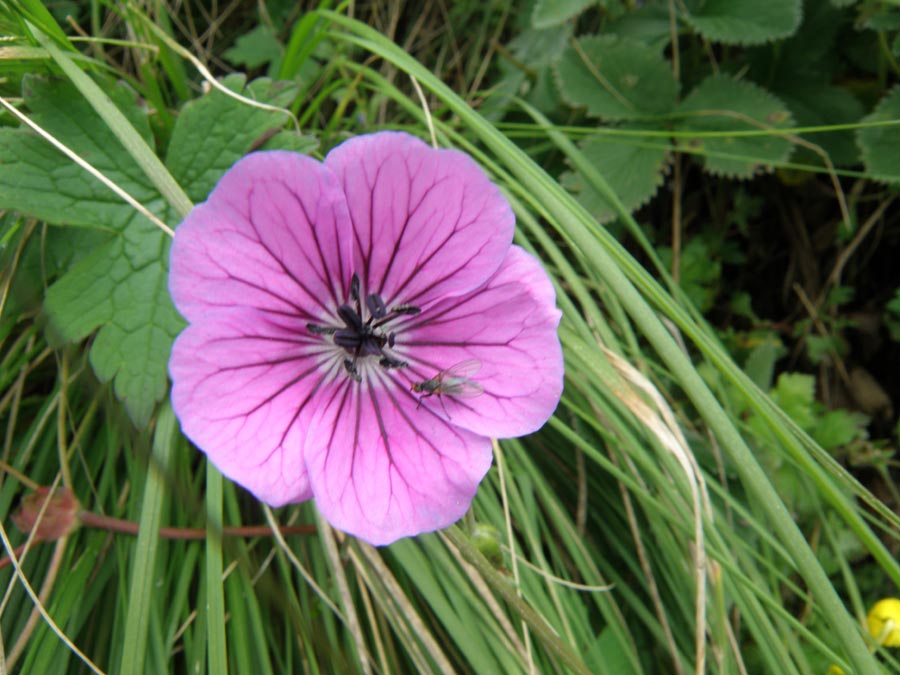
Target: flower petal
{"points": [[428, 223], [273, 235], [242, 384], [382, 470], [510, 327]]}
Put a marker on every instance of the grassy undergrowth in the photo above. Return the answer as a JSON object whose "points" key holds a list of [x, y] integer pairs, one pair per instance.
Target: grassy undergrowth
{"points": [[715, 492]]}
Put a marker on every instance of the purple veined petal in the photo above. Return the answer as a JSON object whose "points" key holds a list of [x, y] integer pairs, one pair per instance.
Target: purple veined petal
{"points": [[273, 235], [510, 327], [381, 472], [242, 386], [427, 223]]}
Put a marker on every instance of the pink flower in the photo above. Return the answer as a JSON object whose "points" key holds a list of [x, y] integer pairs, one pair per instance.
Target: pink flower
{"points": [[359, 330]]}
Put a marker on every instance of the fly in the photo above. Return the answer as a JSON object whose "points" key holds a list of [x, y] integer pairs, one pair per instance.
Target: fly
{"points": [[454, 381]]}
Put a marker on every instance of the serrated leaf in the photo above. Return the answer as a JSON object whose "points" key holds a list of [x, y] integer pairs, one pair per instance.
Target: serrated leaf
{"points": [[748, 22], [37, 180], [700, 270], [293, 141], [215, 131], [648, 23], [549, 13], [815, 104], [537, 49], [880, 146], [795, 394], [839, 427], [722, 104], [615, 78], [121, 287], [632, 165], [254, 48]]}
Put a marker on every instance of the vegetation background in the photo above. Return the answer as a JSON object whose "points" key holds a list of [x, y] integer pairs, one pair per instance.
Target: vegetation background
{"points": [[712, 186]]}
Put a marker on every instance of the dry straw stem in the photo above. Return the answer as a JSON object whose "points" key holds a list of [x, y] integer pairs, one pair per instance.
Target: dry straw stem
{"points": [[375, 564], [661, 423], [40, 606], [327, 535], [282, 544], [84, 164], [210, 78], [513, 559]]}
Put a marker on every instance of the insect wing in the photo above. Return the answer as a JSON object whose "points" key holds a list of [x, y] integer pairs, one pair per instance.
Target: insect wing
{"points": [[460, 387], [462, 370], [455, 380]]}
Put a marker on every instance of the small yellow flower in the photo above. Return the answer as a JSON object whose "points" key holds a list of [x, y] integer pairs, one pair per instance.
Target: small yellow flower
{"points": [[884, 622], [835, 670]]}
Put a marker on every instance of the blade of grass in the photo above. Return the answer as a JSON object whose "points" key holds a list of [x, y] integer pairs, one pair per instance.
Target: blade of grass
{"points": [[215, 594], [141, 588], [579, 225], [132, 141]]}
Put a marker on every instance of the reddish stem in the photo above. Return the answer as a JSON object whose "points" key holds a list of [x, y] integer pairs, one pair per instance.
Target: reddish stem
{"points": [[99, 522]]}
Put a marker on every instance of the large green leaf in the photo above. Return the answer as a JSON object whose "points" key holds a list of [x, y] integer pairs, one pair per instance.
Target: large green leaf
{"points": [[214, 131], [121, 287], [880, 145], [616, 78], [632, 165], [746, 22], [814, 104], [723, 105]]}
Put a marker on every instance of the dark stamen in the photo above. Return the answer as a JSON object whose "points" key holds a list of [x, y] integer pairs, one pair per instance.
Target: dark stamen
{"points": [[354, 287], [405, 309], [320, 330], [350, 367], [351, 318], [390, 362], [376, 306]]}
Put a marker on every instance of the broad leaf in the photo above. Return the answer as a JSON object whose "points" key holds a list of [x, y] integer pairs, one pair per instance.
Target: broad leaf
{"points": [[616, 78], [215, 131], [632, 165], [721, 104], [121, 287], [549, 13], [747, 22], [880, 145], [819, 105], [255, 48]]}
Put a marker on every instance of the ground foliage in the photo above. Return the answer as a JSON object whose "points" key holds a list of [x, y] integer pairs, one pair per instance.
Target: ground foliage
{"points": [[753, 142]]}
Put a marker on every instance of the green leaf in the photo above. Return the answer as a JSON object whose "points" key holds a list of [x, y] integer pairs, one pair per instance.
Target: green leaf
{"points": [[615, 78], [880, 146], [554, 12], [255, 48], [632, 165], [37, 180], [795, 394], [215, 131], [121, 288], [839, 427], [648, 23], [293, 141], [815, 104], [748, 22], [722, 104], [760, 364], [700, 270]]}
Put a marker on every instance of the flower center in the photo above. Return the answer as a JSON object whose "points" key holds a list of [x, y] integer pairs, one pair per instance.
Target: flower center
{"points": [[364, 332]]}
